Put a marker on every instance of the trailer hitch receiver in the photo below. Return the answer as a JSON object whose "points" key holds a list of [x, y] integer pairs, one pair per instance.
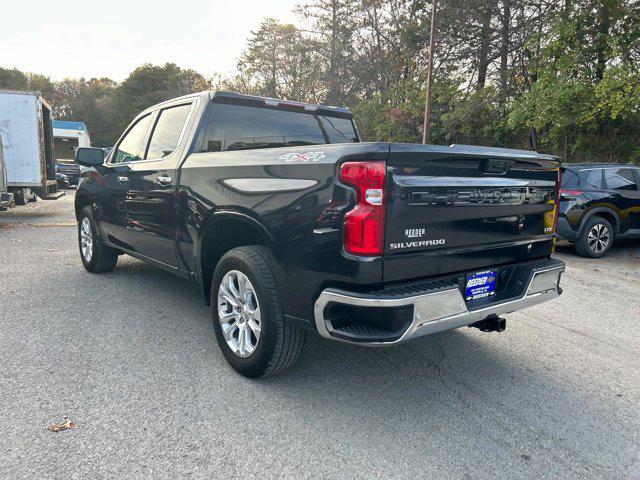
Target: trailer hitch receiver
{"points": [[492, 323]]}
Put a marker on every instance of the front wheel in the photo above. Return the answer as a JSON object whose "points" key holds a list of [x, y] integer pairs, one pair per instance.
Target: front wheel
{"points": [[96, 257], [596, 238], [248, 321]]}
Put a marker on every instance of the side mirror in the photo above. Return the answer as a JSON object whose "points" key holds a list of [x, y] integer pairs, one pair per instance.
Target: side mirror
{"points": [[89, 157]]}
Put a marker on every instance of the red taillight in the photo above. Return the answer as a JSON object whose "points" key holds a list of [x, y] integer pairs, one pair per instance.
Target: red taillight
{"points": [[363, 227], [570, 193]]}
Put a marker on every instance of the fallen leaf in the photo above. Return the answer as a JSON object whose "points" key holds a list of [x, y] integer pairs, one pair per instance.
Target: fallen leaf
{"points": [[6, 225], [66, 425]]}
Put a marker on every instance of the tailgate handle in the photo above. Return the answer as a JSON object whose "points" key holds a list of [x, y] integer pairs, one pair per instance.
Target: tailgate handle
{"points": [[495, 165]]}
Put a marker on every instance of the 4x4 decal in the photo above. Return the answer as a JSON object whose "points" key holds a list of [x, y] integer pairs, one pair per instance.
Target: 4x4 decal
{"points": [[302, 157]]}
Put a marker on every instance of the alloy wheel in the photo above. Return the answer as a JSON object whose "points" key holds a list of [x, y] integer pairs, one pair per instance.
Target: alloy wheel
{"points": [[598, 238], [86, 239], [239, 313]]}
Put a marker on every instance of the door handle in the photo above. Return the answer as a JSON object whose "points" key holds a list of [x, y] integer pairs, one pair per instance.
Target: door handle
{"points": [[164, 180], [123, 179]]}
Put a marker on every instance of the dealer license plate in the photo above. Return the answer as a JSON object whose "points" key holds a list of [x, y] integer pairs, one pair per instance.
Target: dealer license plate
{"points": [[480, 285]]}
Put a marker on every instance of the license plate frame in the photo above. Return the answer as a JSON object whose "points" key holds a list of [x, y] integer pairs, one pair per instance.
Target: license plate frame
{"points": [[480, 285]]}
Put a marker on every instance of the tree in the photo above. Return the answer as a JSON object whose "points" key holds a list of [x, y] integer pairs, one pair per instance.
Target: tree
{"points": [[93, 102], [586, 97], [150, 84], [278, 62], [13, 79], [330, 34]]}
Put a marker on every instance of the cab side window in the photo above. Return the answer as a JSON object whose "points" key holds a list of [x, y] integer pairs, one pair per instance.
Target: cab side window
{"points": [[132, 146], [166, 133]]}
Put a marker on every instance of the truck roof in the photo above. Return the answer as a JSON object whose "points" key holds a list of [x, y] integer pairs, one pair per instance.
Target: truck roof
{"points": [[231, 97], [240, 99], [69, 125], [32, 93]]}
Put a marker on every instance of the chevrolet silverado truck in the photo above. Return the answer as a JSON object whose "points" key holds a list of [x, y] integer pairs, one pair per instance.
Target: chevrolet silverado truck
{"points": [[290, 224]]}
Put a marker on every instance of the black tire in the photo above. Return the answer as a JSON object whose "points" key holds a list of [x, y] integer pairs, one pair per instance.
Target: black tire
{"points": [[280, 343], [33, 197], [103, 259], [20, 196], [594, 232]]}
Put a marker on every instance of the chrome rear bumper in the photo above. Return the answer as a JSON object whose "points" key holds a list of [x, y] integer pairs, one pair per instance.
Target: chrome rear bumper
{"points": [[444, 309]]}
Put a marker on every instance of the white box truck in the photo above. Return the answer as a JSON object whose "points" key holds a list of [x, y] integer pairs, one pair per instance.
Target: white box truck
{"points": [[6, 198], [27, 137], [67, 137]]}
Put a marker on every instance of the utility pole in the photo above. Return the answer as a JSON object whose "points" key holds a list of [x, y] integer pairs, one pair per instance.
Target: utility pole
{"points": [[427, 104]]}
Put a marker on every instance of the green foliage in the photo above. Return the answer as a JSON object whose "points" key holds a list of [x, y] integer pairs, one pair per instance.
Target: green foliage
{"points": [[585, 103], [278, 63], [398, 115], [13, 79], [476, 118], [93, 102], [150, 84]]}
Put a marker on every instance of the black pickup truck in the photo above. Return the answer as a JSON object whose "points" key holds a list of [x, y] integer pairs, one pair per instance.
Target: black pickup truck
{"points": [[289, 223]]}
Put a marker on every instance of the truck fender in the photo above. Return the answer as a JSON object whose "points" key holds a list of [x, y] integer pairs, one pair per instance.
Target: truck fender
{"points": [[259, 234]]}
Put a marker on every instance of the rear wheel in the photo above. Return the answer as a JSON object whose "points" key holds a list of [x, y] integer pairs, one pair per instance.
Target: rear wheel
{"points": [[596, 238], [247, 315], [21, 196], [96, 257]]}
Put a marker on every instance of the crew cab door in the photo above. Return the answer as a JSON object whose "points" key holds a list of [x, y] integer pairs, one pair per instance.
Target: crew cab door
{"points": [[150, 200], [115, 181]]}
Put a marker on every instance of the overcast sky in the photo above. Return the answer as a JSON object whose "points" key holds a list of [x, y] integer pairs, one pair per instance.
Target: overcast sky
{"points": [[109, 38]]}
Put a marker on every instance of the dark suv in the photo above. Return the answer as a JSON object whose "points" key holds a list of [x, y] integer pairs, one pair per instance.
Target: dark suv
{"points": [[599, 203]]}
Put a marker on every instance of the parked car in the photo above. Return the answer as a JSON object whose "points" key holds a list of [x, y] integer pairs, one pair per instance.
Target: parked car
{"points": [[289, 224], [63, 181], [71, 170], [599, 203]]}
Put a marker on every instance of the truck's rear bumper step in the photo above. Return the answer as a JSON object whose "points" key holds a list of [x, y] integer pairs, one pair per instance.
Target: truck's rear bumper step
{"points": [[395, 315]]}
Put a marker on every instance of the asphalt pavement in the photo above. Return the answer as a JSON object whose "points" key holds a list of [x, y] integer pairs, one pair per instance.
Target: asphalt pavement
{"points": [[130, 358]]}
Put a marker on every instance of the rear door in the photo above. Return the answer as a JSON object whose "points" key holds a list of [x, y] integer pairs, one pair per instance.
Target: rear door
{"points": [[150, 201], [622, 184], [453, 209]]}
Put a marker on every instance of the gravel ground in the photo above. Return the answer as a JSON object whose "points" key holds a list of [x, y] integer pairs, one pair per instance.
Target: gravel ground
{"points": [[130, 357]]}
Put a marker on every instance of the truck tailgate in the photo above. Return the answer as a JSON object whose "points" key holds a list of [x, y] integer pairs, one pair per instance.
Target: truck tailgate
{"points": [[453, 209]]}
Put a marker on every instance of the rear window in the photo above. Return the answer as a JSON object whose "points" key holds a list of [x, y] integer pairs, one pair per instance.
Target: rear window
{"points": [[592, 179], [584, 179], [570, 179], [620, 179], [239, 127]]}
